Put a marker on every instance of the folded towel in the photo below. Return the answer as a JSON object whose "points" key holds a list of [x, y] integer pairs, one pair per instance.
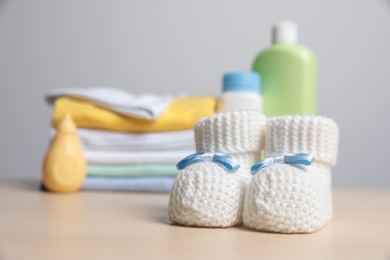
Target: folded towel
{"points": [[122, 157], [154, 184], [92, 139], [131, 170], [181, 114], [146, 106]]}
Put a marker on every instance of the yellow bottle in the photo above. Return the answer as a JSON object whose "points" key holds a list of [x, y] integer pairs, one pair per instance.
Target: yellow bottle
{"points": [[64, 167]]}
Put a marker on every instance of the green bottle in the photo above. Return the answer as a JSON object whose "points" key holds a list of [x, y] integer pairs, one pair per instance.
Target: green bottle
{"points": [[289, 74]]}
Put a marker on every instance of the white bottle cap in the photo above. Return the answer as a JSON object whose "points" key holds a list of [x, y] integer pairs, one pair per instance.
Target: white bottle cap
{"points": [[285, 31]]}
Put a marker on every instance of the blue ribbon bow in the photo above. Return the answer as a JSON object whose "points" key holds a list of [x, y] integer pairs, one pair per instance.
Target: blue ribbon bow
{"points": [[296, 158], [225, 161]]}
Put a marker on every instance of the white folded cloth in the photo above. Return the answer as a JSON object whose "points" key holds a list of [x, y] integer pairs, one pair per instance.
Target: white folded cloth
{"points": [[154, 184], [97, 140], [146, 106], [122, 157]]}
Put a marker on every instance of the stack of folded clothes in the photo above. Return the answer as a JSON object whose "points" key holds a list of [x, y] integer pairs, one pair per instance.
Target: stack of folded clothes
{"points": [[131, 142]]}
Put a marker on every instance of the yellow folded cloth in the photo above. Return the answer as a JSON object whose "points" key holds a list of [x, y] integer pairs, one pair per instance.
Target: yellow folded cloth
{"points": [[181, 114]]}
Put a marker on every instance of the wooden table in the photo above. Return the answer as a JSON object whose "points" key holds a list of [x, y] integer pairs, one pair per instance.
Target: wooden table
{"points": [[102, 225]]}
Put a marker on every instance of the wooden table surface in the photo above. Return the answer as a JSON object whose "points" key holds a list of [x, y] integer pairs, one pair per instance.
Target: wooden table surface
{"points": [[103, 225]]}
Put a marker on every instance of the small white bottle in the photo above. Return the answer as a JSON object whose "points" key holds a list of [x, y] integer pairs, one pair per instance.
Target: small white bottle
{"points": [[241, 90]]}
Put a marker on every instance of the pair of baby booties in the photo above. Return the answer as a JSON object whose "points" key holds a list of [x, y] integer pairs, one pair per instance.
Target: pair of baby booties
{"points": [[279, 198]]}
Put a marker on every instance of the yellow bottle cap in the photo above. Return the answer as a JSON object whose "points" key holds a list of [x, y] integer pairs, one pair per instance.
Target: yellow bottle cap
{"points": [[67, 125]]}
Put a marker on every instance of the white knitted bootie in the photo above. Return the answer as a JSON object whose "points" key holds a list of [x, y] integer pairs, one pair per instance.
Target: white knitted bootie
{"points": [[204, 193], [288, 198]]}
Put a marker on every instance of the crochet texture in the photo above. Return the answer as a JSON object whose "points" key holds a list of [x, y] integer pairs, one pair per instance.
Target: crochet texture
{"points": [[204, 194], [294, 199]]}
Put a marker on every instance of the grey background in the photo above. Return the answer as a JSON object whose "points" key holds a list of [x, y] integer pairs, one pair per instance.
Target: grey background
{"points": [[185, 46]]}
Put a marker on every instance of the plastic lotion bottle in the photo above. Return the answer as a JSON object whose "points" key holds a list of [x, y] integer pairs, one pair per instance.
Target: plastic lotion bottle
{"points": [[289, 74], [241, 90], [64, 167]]}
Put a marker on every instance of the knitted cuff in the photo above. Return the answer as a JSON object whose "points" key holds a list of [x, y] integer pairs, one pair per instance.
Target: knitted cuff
{"points": [[231, 132], [311, 134]]}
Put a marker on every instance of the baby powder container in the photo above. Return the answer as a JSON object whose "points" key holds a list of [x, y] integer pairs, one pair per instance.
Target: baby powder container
{"points": [[241, 91], [64, 167]]}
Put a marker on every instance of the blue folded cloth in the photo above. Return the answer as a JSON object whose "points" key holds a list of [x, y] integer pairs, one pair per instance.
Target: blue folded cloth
{"points": [[147, 184]]}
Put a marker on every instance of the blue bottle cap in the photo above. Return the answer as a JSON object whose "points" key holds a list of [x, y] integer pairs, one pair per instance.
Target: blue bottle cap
{"points": [[244, 81]]}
